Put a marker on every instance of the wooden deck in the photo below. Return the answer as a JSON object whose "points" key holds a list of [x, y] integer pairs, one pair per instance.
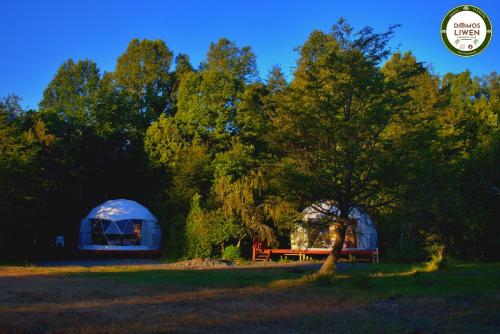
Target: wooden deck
{"points": [[352, 254]]}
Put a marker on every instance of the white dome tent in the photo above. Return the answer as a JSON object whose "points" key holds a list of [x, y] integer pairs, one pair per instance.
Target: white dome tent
{"points": [[363, 235], [120, 226]]}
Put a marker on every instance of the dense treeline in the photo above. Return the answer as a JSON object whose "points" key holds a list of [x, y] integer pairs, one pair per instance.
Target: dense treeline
{"points": [[223, 156]]}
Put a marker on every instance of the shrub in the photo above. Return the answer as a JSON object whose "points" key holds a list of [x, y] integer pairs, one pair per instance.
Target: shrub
{"points": [[435, 253], [198, 243], [231, 253], [175, 238]]}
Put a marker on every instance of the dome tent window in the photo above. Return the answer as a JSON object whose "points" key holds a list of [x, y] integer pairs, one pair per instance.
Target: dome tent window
{"points": [[124, 232], [120, 226]]}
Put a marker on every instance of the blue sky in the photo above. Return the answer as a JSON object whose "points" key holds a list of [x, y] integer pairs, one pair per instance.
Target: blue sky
{"points": [[38, 36]]}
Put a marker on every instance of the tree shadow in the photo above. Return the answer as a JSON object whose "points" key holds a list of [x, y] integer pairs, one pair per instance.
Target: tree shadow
{"points": [[242, 300]]}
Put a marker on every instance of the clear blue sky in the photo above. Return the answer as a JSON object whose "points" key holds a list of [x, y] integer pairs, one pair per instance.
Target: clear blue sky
{"points": [[37, 36]]}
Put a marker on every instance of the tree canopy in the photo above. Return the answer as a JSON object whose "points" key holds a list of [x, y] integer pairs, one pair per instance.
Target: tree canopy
{"points": [[224, 157]]}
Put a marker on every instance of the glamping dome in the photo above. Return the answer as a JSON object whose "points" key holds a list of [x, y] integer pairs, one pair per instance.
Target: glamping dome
{"points": [[362, 235], [120, 226]]}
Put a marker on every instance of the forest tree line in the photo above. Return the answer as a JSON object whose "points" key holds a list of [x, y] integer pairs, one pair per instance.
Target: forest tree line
{"points": [[224, 156]]}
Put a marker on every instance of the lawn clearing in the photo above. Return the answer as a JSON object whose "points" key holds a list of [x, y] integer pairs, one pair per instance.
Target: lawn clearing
{"points": [[277, 299]]}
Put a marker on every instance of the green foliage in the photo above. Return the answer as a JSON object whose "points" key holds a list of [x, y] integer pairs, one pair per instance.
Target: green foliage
{"points": [[192, 173], [198, 243], [247, 201], [330, 121], [235, 162], [175, 237], [182, 65], [208, 100], [70, 103], [224, 230], [435, 252], [225, 157], [276, 81], [207, 230], [163, 142], [143, 73], [231, 253], [22, 182], [10, 108]]}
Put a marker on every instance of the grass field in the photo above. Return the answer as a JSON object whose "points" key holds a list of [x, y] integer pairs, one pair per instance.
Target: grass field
{"points": [[277, 299]]}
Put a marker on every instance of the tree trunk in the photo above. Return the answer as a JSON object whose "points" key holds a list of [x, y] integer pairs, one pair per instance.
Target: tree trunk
{"points": [[330, 264]]}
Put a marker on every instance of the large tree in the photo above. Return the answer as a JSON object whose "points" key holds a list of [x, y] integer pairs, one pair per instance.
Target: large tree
{"points": [[213, 148], [329, 125], [208, 100], [143, 74], [23, 180]]}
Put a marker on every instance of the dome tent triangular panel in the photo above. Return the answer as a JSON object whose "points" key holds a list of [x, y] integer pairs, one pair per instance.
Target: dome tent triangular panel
{"points": [[120, 225], [113, 229]]}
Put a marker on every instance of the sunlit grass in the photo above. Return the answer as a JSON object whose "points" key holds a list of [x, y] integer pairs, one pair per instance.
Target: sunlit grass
{"points": [[359, 299], [373, 280]]}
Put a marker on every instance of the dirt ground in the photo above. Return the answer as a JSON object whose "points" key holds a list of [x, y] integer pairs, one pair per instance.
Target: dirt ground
{"points": [[137, 300]]}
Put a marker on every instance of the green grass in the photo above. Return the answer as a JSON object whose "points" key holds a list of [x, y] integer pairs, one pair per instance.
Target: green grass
{"points": [[373, 281], [384, 298], [389, 280], [201, 278]]}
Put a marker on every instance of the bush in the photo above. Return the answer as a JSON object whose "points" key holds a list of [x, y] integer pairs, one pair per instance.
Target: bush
{"points": [[231, 253], [176, 239], [198, 244], [435, 253]]}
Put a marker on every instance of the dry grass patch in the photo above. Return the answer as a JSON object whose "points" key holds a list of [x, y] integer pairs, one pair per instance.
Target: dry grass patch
{"points": [[146, 299]]}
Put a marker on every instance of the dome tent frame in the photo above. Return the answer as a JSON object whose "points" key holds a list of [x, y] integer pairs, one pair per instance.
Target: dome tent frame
{"points": [[314, 235], [304, 244], [120, 226]]}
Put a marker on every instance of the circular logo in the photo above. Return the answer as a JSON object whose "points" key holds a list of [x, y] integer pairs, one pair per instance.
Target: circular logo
{"points": [[466, 30]]}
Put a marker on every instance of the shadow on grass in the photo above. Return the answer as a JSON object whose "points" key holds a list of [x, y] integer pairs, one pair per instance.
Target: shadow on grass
{"points": [[383, 298], [365, 282], [388, 281], [203, 278]]}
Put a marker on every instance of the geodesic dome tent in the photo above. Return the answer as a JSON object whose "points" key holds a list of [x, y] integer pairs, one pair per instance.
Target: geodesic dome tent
{"points": [[120, 226], [313, 234]]}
